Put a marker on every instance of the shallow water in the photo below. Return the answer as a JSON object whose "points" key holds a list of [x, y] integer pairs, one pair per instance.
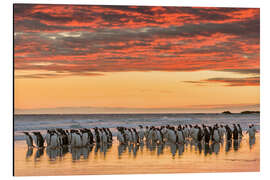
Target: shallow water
{"points": [[190, 158]]}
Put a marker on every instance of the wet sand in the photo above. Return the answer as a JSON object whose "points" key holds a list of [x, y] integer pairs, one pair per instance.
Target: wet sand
{"points": [[241, 157]]}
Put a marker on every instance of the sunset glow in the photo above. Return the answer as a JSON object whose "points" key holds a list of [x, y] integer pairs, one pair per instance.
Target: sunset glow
{"points": [[128, 59]]}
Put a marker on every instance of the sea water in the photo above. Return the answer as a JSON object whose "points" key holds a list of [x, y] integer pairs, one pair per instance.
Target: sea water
{"points": [[66, 121]]}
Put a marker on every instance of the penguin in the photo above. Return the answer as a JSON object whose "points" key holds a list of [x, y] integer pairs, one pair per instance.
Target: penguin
{"points": [[29, 140], [85, 137], [48, 137], [104, 136], [240, 133], [78, 139], [216, 136], [200, 134], [235, 132], [135, 136], [54, 140], [120, 136], [228, 133], [186, 131], [97, 135], [221, 131], [251, 132], [141, 133], [206, 135], [171, 134], [90, 135], [39, 139], [180, 135], [110, 135]]}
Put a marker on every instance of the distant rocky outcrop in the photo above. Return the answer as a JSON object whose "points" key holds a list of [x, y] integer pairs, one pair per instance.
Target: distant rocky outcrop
{"points": [[226, 112], [250, 112]]}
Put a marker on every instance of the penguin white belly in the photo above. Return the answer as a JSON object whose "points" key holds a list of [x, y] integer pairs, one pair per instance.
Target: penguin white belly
{"points": [[28, 141], [104, 138], [35, 140], [251, 133], [195, 134], [84, 139], [78, 140], [180, 137], [171, 136], [73, 140], [216, 136], [54, 141], [159, 139], [141, 134], [120, 138]]}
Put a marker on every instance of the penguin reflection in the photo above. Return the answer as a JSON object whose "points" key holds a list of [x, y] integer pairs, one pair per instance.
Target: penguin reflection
{"points": [[181, 148], [160, 148], [29, 152], [228, 145], [76, 153], [121, 149], [39, 153], [215, 147], [207, 149], [173, 149], [135, 149], [235, 144]]}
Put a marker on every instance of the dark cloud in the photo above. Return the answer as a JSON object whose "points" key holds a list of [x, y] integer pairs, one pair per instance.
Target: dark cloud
{"points": [[124, 38], [248, 81]]}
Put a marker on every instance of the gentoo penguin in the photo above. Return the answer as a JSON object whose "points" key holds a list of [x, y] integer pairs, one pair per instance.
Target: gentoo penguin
{"points": [[110, 135], [235, 132], [48, 137], [120, 136], [160, 135], [221, 131], [206, 135], [239, 130], [78, 141], [85, 137], [172, 135], [135, 136], [186, 131], [29, 140], [103, 136], [146, 133], [90, 135], [141, 133], [180, 135], [195, 132], [54, 140], [216, 136], [200, 134], [251, 132], [254, 128], [39, 139], [97, 135], [228, 133]]}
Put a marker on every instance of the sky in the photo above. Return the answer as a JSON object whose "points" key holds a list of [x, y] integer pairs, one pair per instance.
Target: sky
{"points": [[135, 59]]}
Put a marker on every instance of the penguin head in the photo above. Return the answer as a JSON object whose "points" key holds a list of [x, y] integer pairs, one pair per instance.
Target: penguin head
{"points": [[26, 133]]}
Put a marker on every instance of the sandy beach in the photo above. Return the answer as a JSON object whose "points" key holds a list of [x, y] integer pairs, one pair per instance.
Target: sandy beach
{"points": [[138, 160]]}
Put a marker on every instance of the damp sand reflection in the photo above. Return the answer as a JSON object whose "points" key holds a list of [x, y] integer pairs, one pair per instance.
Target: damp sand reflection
{"points": [[235, 155]]}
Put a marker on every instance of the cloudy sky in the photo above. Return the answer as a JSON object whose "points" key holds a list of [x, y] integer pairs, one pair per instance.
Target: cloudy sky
{"points": [[119, 59]]}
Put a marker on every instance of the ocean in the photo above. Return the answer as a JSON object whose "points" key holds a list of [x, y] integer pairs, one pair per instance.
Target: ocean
{"points": [[43, 122]]}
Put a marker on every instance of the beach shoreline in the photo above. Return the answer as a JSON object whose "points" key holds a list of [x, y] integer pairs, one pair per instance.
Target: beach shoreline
{"points": [[144, 161]]}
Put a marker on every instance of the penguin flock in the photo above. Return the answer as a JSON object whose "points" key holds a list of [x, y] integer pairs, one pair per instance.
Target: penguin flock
{"points": [[74, 138], [181, 133], [81, 141]]}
